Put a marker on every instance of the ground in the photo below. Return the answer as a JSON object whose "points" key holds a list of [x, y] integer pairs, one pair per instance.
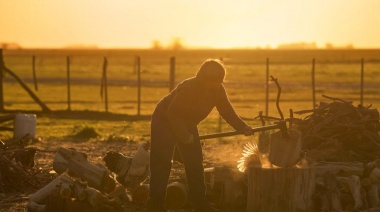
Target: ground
{"points": [[216, 153]]}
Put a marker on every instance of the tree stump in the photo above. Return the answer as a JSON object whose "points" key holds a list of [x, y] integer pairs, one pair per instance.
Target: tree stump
{"points": [[273, 188]]}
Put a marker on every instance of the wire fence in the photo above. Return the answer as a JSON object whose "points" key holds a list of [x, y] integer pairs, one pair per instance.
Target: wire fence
{"points": [[132, 82]]}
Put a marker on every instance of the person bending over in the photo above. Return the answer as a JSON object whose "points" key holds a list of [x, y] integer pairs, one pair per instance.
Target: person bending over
{"points": [[174, 123]]}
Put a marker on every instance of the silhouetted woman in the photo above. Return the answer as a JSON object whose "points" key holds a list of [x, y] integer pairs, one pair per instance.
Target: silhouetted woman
{"points": [[174, 123]]}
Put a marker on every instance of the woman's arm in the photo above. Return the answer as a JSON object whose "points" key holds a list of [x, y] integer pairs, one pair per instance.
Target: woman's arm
{"points": [[226, 110]]}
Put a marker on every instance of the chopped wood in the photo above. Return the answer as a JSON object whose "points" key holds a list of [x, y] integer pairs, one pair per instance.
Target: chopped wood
{"points": [[77, 165], [339, 131], [373, 196], [65, 190], [79, 190], [355, 187], [280, 189], [40, 196]]}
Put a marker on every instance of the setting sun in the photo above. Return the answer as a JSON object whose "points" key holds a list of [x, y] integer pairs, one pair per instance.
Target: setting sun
{"points": [[198, 24]]}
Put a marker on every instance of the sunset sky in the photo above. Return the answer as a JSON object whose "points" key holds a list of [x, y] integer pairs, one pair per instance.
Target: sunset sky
{"points": [[197, 23]]}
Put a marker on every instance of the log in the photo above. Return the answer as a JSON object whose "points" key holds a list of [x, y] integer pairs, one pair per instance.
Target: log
{"points": [[41, 195], [65, 190], [332, 192], [355, 187], [78, 189], [339, 168], [176, 196], [375, 176], [372, 179], [55, 203], [32, 206], [373, 196], [120, 192], [285, 152], [140, 161], [280, 189], [76, 163], [94, 197]]}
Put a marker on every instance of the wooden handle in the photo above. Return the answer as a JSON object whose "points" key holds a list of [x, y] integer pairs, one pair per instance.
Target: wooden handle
{"points": [[225, 134]]}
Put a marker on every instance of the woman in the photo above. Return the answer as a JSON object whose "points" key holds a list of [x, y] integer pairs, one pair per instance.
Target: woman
{"points": [[174, 123]]}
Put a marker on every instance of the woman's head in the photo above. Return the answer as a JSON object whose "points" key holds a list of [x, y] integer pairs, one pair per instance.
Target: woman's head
{"points": [[212, 70]]}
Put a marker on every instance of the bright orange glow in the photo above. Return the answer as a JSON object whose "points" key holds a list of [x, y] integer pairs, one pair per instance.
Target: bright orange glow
{"points": [[209, 23]]}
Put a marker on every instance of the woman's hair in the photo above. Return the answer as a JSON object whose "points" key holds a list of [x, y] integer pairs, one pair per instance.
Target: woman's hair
{"points": [[212, 70]]}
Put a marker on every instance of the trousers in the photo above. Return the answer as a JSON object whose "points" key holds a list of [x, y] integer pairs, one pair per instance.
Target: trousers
{"points": [[163, 142]]}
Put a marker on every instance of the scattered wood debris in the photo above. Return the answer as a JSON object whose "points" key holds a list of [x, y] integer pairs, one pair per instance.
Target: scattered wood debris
{"points": [[17, 171], [339, 131]]}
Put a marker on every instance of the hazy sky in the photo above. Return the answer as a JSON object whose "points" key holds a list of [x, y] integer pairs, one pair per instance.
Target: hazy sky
{"points": [[198, 23]]}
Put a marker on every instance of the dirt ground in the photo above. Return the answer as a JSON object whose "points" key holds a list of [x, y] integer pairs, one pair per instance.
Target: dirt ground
{"points": [[214, 155]]}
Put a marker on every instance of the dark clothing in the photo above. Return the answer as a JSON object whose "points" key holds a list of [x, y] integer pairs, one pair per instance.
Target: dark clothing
{"points": [[175, 117]]}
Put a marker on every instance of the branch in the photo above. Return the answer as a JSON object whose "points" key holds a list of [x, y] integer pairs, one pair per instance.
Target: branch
{"points": [[278, 97]]}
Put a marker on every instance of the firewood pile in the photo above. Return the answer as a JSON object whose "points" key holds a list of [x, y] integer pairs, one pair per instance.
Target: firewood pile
{"points": [[17, 170], [67, 193], [341, 142], [82, 185], [339, 131]]}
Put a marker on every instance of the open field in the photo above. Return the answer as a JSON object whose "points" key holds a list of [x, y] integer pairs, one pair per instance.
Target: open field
{"points": [[337, 74]]}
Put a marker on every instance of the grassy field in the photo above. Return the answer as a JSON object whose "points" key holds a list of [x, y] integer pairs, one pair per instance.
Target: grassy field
{"points": [[337, 74]]}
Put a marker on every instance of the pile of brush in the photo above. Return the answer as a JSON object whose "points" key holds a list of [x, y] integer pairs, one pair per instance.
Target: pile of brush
{"points": [[340, 131], [17, 171]]}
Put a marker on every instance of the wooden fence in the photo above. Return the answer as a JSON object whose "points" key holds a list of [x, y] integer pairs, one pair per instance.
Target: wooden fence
{"points": [[137, 66]]}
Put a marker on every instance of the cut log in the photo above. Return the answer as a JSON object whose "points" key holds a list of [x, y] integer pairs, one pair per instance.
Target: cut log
{"points": [[65, 190], [373, 196], [76, 163], [32, 206], [120, 192], [140, 161], [280, 189], [95, 198], [78, 189], [41, 195], [332, 192], [285, 152], [176, 196], [375, 176], [339, 168], [355, 187]]}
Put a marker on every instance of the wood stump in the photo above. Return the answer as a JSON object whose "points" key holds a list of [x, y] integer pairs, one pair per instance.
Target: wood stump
{"points": [[272, 188]]}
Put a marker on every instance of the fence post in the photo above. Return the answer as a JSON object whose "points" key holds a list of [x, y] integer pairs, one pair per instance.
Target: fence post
{"points": [[105, 63], [313, 81], [267, 89], [361, 81], [172, 74], [1, 80], [34, 72], [68, 83], [138, 85]]}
